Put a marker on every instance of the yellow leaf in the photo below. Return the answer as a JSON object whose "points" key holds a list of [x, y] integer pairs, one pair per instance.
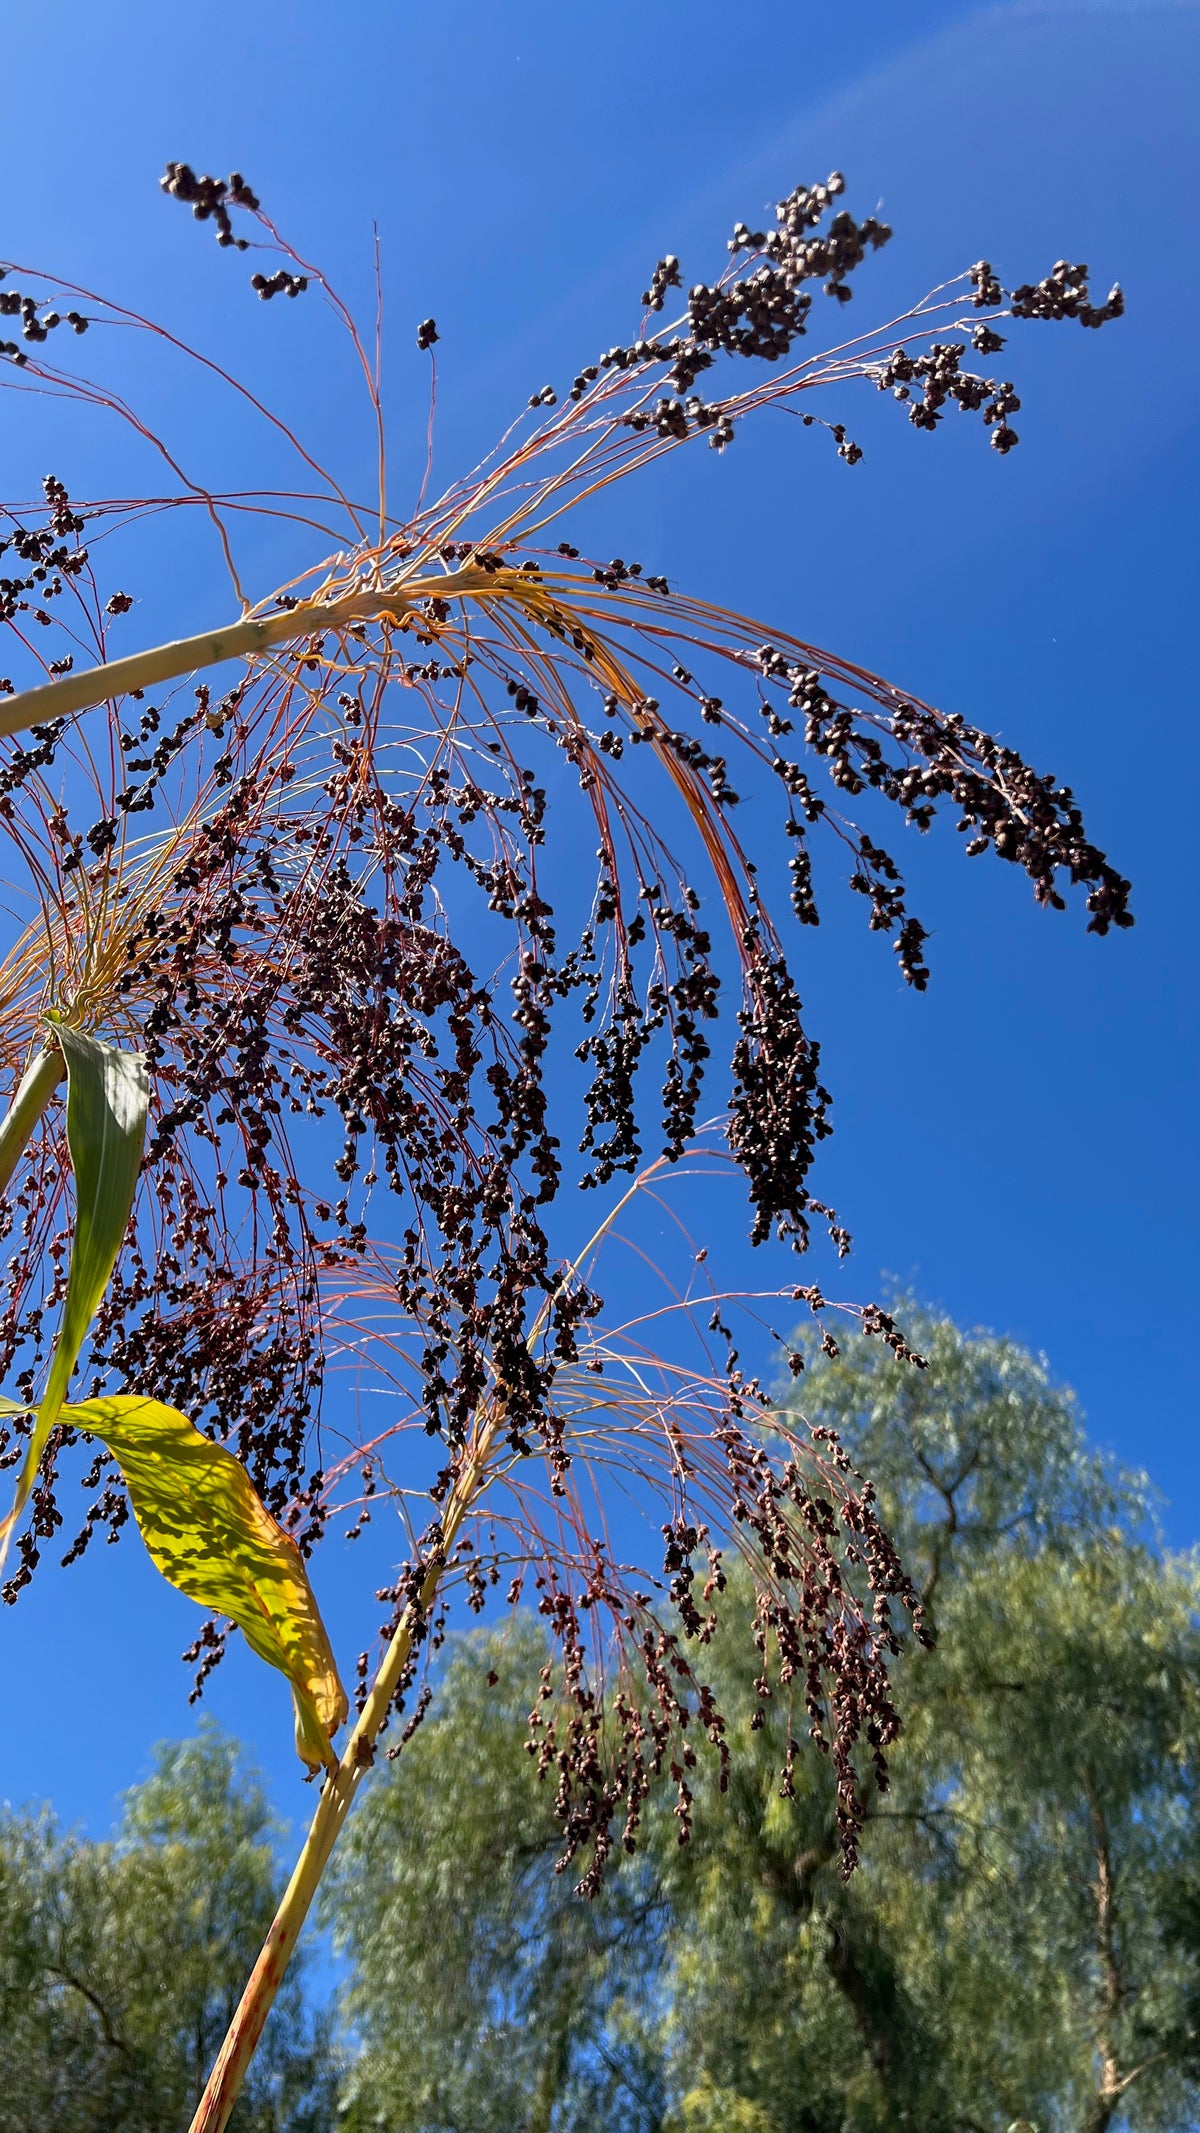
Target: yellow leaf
{"points": [[209, 1534]]}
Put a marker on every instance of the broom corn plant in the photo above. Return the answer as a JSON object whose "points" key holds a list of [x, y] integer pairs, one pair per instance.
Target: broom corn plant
{"points": [[279, 949]]}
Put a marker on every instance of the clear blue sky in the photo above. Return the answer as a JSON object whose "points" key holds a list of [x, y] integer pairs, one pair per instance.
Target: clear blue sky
{"points": [[1021, 1141]]}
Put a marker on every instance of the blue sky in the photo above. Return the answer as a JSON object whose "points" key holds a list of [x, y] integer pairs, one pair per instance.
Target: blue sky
{"points": [[1020, 1142]]}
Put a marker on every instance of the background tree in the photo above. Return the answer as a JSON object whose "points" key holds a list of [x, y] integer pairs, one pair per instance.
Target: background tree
{"points": [[121, 1962], [1017, 1942], [526, 2006], [1020, 1940]]}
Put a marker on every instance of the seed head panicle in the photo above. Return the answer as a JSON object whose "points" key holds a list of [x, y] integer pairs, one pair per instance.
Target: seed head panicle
{"points": [[340, 907]]}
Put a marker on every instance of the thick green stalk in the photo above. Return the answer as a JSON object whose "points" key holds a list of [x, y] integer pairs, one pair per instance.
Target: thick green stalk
{"points": [[143, 670], [239, 640], [36, 1087]]}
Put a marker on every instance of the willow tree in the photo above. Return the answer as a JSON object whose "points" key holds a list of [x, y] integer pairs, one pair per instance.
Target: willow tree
{"points": [[1020, 1942], [250, 911]]}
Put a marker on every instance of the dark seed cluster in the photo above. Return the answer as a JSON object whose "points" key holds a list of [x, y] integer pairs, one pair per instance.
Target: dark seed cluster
{"points": [[281, 283], [1064, 293], [52, 558], [38, 320], [360, 1146], [939, 373], [210, 199], [1003, 804], [779, 1109], [761, 314]]}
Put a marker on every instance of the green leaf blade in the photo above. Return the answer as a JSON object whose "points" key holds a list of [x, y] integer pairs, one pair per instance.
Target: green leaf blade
{"points": [[108, 1098]]}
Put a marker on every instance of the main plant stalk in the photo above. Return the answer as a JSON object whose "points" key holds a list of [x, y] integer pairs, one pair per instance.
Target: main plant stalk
{"points": [[248, 639], [229, 2070]]}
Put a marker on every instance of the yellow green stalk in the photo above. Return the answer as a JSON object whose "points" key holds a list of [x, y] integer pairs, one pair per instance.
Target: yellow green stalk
{"points": [[246, 639], [229, 2071]]}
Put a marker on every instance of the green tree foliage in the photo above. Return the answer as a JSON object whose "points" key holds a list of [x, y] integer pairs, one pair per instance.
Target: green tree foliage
{"points": [[1017, 1944], [1021, 1942], [121, 1962], [486, 1994]]}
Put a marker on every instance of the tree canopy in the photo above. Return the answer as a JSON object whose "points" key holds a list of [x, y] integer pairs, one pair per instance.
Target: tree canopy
{"points": [[1020, 1944], [121, 1961]]}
